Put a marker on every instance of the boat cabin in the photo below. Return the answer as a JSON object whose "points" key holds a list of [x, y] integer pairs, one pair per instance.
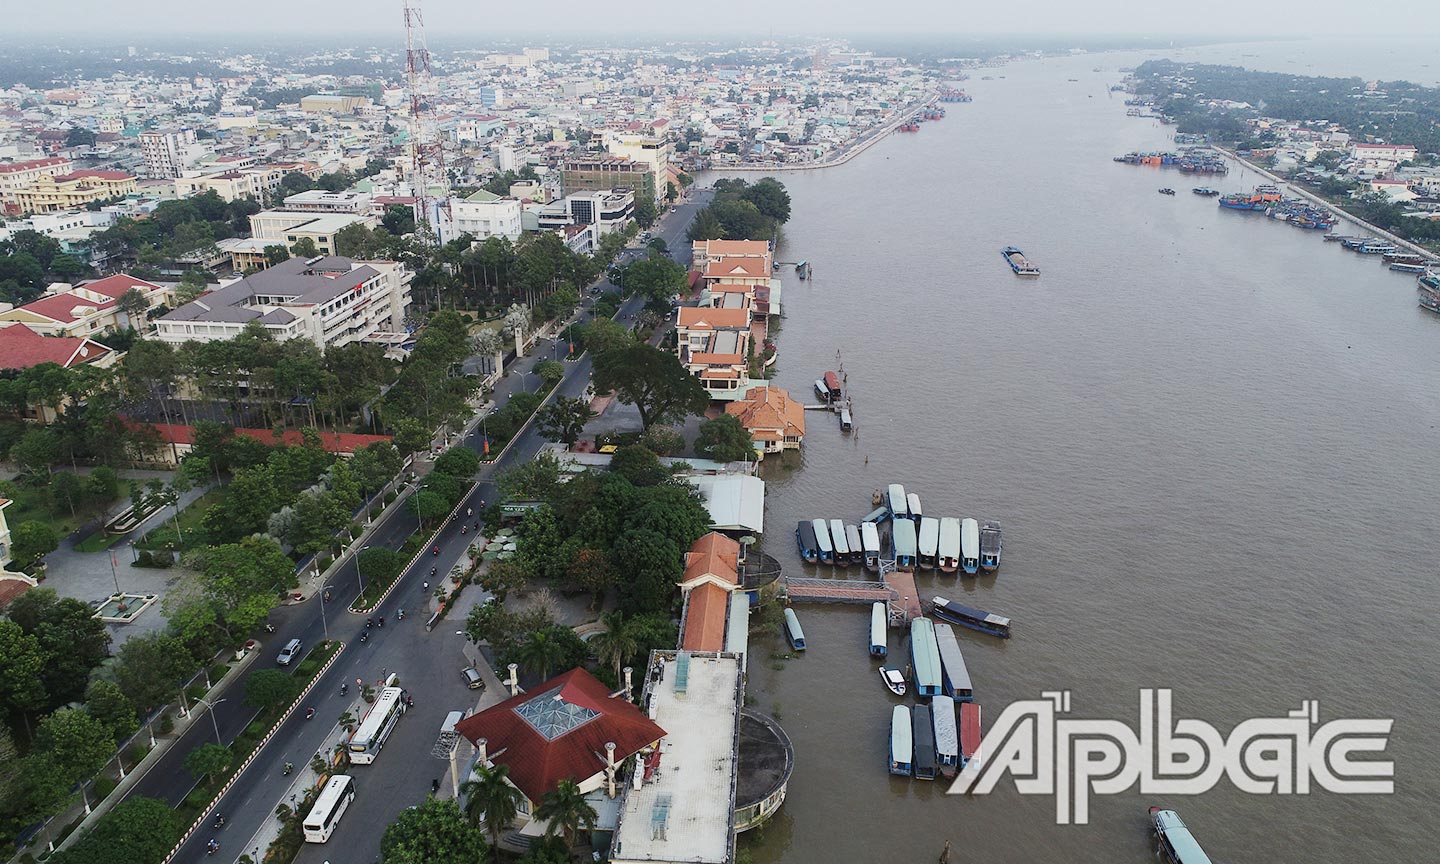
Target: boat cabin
{"points": [[879, 513], [923, 742], [901, 748], [852, 539], [970, 732], [870, 542], [928, 543], [991, 543], [793, 634], [947, 739], [845, 422], [913, 502], [903, 539], [954, 677], [805, 540], [1175, 841], [969, 616], [970, 546], [879, 629], [832, 386], [822, 391], [841, 542], [949, 548], [822, 541], [896, 502], [924, 657]]}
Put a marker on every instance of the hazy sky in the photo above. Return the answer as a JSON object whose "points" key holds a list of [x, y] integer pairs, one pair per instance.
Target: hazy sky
{"points": [[1244, 18]]}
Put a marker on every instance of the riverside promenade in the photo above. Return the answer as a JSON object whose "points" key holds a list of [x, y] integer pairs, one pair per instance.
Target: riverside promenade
{"points": [[848, 152]]}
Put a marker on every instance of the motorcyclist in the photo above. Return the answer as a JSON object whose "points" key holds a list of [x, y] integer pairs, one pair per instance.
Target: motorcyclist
{"points": [[288, 769]]}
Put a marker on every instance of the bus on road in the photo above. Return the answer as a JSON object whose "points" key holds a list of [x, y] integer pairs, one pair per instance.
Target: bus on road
{"points": [[331, 804], [379, 721]]}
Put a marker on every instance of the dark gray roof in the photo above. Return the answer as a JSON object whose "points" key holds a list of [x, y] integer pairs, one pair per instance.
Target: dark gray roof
{"points": [[294, 281]]}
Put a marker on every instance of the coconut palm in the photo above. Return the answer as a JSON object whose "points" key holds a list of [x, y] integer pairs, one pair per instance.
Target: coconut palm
{"points": [[490, 798], [618, 643], [540, 652], [567, 811]]}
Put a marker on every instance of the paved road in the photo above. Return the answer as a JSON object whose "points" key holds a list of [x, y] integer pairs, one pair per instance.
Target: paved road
{"points": [[428, 663]]}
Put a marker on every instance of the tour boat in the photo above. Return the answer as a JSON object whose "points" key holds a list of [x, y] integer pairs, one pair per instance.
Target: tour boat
{"points": [[841, 543], [949, 544], [896, 502], [1174, 840], [924, 657], [793, 633], [913, 502], [879, 622], [969, 616], [947, 742], [923, 742], [822, 391], [832, 386], [852, 539], [954, 677], [928, 543], [870, 542], [902, 537], [822, 541], [902, 752], [805, 540], [991, 543], [894, 680], [970, 732], [970, 545]]}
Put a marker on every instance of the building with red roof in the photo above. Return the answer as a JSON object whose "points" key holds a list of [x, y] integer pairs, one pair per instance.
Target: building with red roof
{"points": [[22, 347], [53, 193], [85, 309], [711, 576], [179, 439], [560, 730]]}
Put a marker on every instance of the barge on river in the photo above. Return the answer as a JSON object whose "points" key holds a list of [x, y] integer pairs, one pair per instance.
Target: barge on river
{"points": [[969, 616], [1018, 262]]}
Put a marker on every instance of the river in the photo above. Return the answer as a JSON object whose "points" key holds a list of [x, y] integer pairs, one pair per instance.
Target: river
{"points": [[1210, 438]]}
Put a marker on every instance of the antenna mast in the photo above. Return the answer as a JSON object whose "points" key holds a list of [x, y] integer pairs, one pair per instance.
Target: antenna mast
{"points": [[426, 158]]}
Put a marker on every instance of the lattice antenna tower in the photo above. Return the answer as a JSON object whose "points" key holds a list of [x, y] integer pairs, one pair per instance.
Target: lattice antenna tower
{"points": [[427, 161]]}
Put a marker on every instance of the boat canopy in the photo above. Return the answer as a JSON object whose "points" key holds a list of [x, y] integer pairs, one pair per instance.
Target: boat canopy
{"points": [[877, 514], [962, 613], [879, 621], [837, 536], [970, 545], [923, 742], [947, 741], [904, 538], [895, 499], [870, 539], [822, 536], [913, 502], [793, 631], [970, 732], [956, 680], [925, 656], [852, 539], [1182, 845], [902, 748], [805, 536], [929, 536]]}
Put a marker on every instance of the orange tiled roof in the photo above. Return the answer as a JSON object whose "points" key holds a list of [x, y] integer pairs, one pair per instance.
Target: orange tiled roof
{"points": [[702, 318], [714, 555], [705, 619], [769, 408]]}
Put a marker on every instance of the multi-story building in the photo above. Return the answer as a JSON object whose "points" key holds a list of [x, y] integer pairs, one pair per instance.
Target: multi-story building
{"points": [[775, 421], [492, 96], [320, 201], [482, 214], [324, 103], [254, 183], [286, 227], [18, 175], [166, 152], [607, 211], [61, 192], [86, 309], [328, 300], [603, 173], [713, 345], [650, 150]]}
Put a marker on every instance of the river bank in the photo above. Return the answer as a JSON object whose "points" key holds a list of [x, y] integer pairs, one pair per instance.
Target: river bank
{"points": [[850, 151]]}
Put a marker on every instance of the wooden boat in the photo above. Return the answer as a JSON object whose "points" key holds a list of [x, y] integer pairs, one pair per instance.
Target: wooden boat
{"points": [[894, 680], [822, 541], [913, 502], [902, 537], [896, 502], [793, 633], [947, 740], [954, 677], [991, 542], [822, 391], [970, 732], [1174, 840], [929, 541], [879, 513], [870, 542], [970, 545], [969, 616], [924, 657], [949, 549], [832, 385], [879, 624], [805, 540], [840, 542], [846, 424], [902, 750], [923, 742]]}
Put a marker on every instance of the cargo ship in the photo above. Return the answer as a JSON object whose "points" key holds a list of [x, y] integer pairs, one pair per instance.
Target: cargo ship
{"points": [[1018, 262], [1260, 199]]}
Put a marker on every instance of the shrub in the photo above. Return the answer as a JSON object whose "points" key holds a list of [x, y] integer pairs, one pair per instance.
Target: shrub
{"points": [[104, 785], [166, 724]]}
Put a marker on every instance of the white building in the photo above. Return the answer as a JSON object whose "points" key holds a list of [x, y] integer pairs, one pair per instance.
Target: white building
{"points": [[320, 201], [481, 215], [167, 152], [330, 301], [607, 211], [653, 150]]}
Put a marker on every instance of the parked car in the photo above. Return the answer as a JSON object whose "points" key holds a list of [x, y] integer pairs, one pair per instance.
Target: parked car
{"points": [[289, 652], [472, 678]]}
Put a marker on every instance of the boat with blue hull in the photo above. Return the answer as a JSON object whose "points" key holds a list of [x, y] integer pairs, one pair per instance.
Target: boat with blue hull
{"points": [[1018, 262], [970, 546], [805, 540], [870, 542], [879, 624], [924, 657], [912, 500], [793, 634], [991, 544], [969, 616], [822, 541], [1174, 840], [947, 740], [902, 537], [841, 543], [954, 677], [902, 750], [896, 502], [928, 543], [923, 741]]}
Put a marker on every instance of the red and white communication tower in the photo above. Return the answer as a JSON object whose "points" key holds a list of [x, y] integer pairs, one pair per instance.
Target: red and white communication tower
{"points": [[427, 161]]}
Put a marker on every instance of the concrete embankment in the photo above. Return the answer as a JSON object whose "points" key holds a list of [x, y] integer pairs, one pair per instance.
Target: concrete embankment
{"points": [[862, 144], [1316, 199]]}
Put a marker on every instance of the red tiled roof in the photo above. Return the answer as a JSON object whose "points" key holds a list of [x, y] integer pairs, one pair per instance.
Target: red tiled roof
{"points": [[115, 286], [60, 307], [537, 764], [333, 442], [11, 586], [95, 173], [715, 555], [705, 619], [29, 164], [21, 348]]}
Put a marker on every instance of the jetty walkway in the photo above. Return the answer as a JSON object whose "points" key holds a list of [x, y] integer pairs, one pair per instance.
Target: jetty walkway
{"points": [[896, 589]]}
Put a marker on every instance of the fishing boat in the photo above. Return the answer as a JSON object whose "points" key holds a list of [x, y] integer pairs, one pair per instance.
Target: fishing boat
{"points": [[841, 543], [793, 634], [879, 624], [1174, 840], [846, 423], [923, 742], [832, 384], [1205, 191], [1167, 191], [902, 537], [928, 543], [970, 732], [870, 543], [947, 742], [969, 616], [970, 545], [896, 501], [913, 502], [954, 677], [902, 751], [949, 551], [1018, 262], [822, 391], [1260, 199], [852, 539], [991, 543], [805, 540], [1377, 248], [822, 541], [894, 680], [924, 657]]}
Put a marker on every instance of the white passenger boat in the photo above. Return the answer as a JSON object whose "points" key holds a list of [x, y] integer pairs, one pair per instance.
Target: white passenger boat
{"points": [[949, 551], [928, 543], [870, 542], [947, 738], [841, 542], [970, 545], [879, 629]]}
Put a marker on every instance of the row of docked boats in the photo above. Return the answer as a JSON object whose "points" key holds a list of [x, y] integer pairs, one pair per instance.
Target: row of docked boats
{"points": [[947, 543], [1193, 161], [1427, 289], [927, 742]]}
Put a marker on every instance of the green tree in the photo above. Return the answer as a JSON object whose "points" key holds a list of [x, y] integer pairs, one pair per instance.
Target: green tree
{"points": [[591, 571], [276, 253], [355, 241], [37, 450], [411, 436], [645, 211], [662, 441], [654, 381], [638, 465], [502, 577], [267, 689], [567, 811], [107, 703], [564, 419], [72, 641], [536, 480], [656, 278], [305, 248], [151, 667], [244, 581], [31, 541], [429, 506], [77, 744], [399, 220], [618, 643], [770, 198], [540, 652], [79, 136], [138, 830], [458, 462], [650, 562], [208, 762], [435, 832], [491, 799], [725, 439], [705, 226], [22, 661]]}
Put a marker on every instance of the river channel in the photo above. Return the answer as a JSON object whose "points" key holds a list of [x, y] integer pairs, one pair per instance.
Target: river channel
{"points": [[1210, 438]]}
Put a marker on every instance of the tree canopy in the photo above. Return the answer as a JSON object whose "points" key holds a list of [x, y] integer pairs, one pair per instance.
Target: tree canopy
{"points": [[654, 381]]}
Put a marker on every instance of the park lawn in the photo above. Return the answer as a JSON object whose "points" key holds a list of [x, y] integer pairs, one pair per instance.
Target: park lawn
{"points": [[164, 536], [98, 541], [30, 505]]}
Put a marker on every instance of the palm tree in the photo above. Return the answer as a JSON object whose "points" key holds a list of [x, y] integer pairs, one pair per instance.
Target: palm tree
{"points": [[618, 643], [540, 652], [567, 811], [490, 798]]}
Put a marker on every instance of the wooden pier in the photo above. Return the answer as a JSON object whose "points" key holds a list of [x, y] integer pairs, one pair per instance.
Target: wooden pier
{"points": [[896, 589]]}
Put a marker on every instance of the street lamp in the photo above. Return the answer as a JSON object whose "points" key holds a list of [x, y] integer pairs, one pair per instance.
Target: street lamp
{"points": [[324, 596], [213, 722], [359, 577]]}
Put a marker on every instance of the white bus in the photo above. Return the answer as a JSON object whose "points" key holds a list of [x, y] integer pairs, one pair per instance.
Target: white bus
{"points": [[334, 799], [365, 744]]}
